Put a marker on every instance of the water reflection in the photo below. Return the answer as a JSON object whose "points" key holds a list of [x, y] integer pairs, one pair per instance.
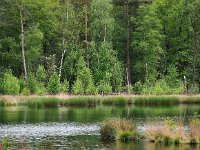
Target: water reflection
{"points": [[77, 127], [91, 115]]}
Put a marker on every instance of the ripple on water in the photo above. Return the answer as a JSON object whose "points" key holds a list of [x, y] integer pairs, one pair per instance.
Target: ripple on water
{"points": [[47, 130]]}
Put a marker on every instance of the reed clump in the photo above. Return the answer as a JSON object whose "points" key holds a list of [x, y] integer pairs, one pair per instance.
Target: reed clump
{"points": [[80, 101], [118, 129], [156, 100], [169, 132], [117, 101], [195, 129], [190, 100], [40, 102], [4, 102]]}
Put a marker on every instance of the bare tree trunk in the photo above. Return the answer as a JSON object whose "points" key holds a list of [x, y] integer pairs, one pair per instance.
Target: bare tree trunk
{"points": [[86, 31], [195, 46], [22, 43], [127, 78], [128, 47], [64, 42], [104, 38]]}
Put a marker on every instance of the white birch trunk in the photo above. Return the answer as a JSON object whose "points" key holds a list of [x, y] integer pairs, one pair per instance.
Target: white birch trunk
{"points": [[22, 43]]}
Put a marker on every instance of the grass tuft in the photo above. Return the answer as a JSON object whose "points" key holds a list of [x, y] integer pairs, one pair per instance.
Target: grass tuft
{"points": [[118, 129], [156, 100], [117, 101]]}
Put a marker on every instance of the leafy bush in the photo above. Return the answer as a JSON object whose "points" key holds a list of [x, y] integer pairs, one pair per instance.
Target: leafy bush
{"points": [[129, 89], [41, 74], [78, 87], [32, 84], [10, 84], [65, 86], [138, 87], [104, 88], [25, 91], [91, 89], [54, 84], [41, 90], [84, 79]]}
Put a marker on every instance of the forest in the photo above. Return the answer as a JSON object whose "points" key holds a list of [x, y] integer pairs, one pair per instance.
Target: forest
{"points": [[99, 46]]}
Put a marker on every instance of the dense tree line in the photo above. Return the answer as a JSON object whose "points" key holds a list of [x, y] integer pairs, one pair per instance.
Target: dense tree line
{"points": [[99, 46]]}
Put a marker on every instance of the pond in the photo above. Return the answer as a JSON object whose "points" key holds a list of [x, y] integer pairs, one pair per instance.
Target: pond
{"points": [[78, 127]]}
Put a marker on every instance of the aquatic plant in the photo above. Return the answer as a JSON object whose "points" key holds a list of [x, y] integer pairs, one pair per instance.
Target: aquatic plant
{"points": [[118, 129], [119, 101], [190, 99], [194, 127], [79, 101], [170, 131], [41, 102], [156, 100]]}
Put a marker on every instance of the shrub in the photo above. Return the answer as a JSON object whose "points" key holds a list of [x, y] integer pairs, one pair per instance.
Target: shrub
{"points": [[84, 77], [78, 87], [138, 87], [10, 84], [25, 91], [104, 88], [22, 84], [41, 90], [54, 84], [32, 83], [65, 87], [41, 74], [91, 88]]}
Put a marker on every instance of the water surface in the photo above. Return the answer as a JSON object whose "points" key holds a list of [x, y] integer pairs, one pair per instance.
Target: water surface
{"points": [[78, 127]]}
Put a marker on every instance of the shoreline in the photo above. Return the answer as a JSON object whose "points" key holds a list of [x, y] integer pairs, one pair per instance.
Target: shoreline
{"points": [[94, 100]]}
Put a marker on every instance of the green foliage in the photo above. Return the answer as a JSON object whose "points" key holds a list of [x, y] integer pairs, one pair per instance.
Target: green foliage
{"points": [[163, 48], [41, 74], [78, 87], [10, 84], [41, 102], [138, 87], [114, 128], [54, 84], [65, 86], [118, 101], [32, 83], [156, 100], [33, 44], [25, 91], [129, 89], [80, 101], [84, 82], [104, 88]]}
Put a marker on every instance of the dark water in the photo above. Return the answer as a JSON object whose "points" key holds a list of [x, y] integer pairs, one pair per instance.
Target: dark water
{"points": [[78, 127]]}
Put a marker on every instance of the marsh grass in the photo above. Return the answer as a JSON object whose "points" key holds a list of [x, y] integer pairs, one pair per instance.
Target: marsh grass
{"points": [[195, 129], [40, 102], [4, 102], [170, 131], [156, 100], [80, 101], [123, 100], [118, 129], [190, 100], [117, 101]]}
